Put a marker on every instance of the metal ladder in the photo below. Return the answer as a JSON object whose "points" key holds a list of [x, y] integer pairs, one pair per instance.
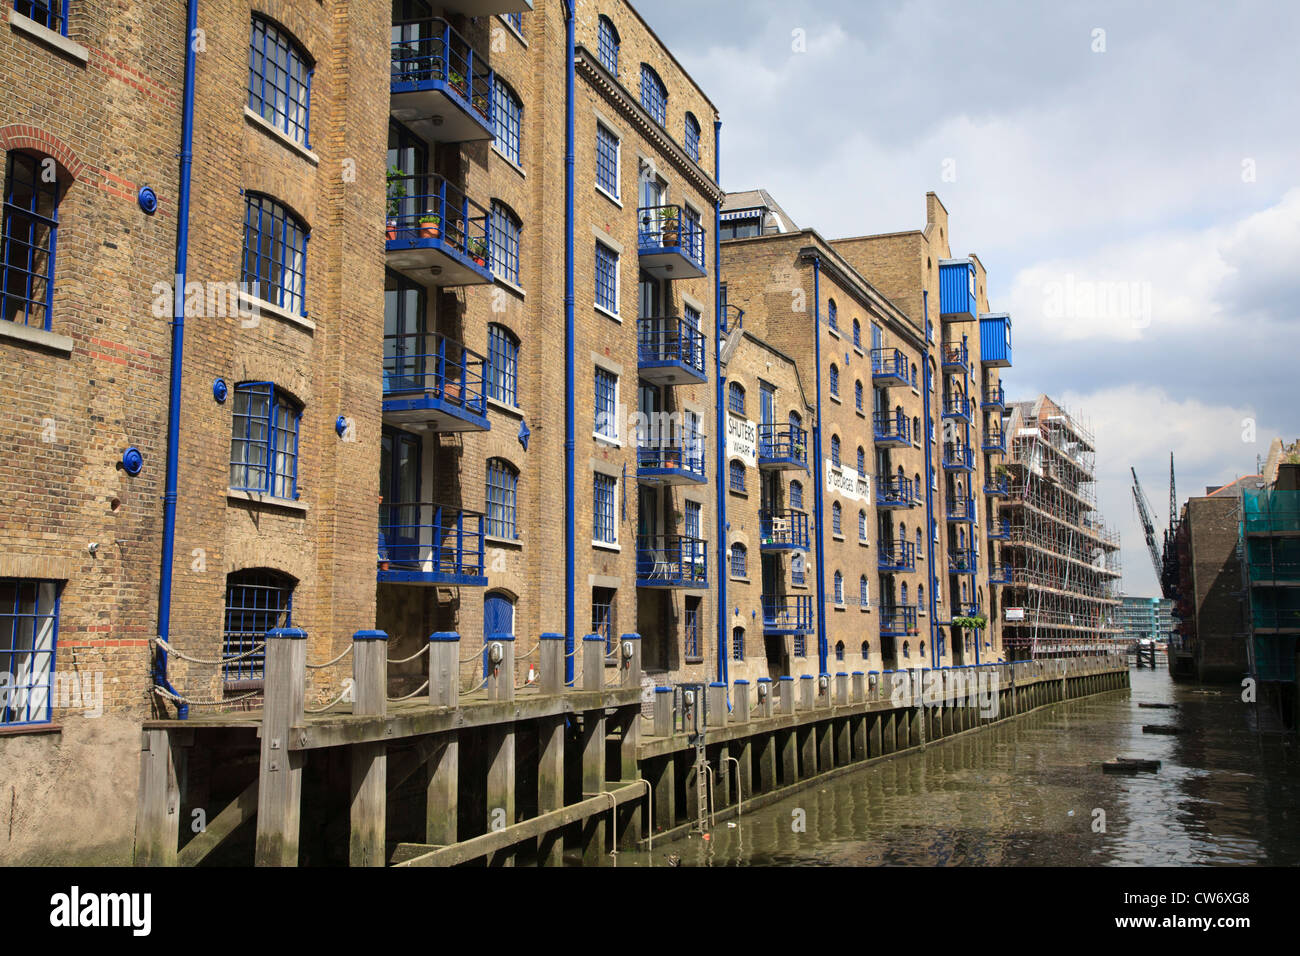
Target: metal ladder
{"points": [[701, 785]]}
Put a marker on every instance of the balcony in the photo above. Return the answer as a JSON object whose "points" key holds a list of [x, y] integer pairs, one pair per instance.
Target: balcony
{"points": [[787, 615], [440, 87], [434, 382], [430, 544], [436, 235], [670, 244], [995, 339], [999, 574], [669, 465], [997, 486], [892, 428], [671, 561], [1000, 530], [957, 300], [782, 447], [783, 530], [955, 358], [889, 367], [963, 561], [670, 351], [486, 8], [897, 557], [897, 621], [895, 491], [961, 509], [729, 316], [995, 399], [958, 457], [965, 609], [957, 408], [994, 442]]}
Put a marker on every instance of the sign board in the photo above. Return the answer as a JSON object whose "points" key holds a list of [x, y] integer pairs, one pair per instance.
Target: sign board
{"points": [[1015, 614], [742, 440], [847, 483]]}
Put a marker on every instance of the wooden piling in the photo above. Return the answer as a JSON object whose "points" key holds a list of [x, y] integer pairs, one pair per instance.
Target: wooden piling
{"points": [[279, 787], [501, 743], [369, 809], [442, 771], [162, 770]]}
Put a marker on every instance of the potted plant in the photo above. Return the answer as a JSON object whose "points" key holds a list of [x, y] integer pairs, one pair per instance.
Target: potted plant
{"points": [[478, 249], [396, 193], [669, 226], [457, 80], [481, 103], [429, 225]]}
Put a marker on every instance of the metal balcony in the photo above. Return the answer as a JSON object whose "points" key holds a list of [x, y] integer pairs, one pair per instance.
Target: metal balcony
{"points": [[999, 574], [897, 621], [782, 447], [897, 557], [671, 561], [1000, 530], [669, 243], [961, 509], [436, 235], [995, 399], [955, 358], [963, 561], [783, 530], [958, 457], [433, 381], [430, 544], [440, 88], [994, 442], [965, 609], [892, 428], [787, 614], [889, 367], [670, 351], [957, 408], [669, 465], [997, 486], [895, 491]]}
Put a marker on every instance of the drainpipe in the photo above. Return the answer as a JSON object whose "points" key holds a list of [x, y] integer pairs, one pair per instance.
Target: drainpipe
{"points": [[719, 434], [570, 428], [929, 486], [177, 361], [819, 472]]}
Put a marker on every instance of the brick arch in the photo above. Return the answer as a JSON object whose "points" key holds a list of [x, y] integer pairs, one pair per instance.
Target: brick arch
{"points": [[22, 136], [259, 551]]}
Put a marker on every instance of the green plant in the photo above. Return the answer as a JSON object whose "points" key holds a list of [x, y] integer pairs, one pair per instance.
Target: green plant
{"points": [[974, 623], [477, 247], [396, 191], [457, 80], [430, 219]]}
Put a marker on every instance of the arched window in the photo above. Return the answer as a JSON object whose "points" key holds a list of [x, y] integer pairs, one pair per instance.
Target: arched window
{"points": [[920, 596], [502, 365], [692, 139], [654, 95], [737, 643], [504, 245], [862, 460], [832, 314], [796, 495], [907, 650], [835, 380], [796, 420], [275, 253], [865, 649], [916, 429], [835, 450], [839, 650], [914, 375], [839, 588], [27, 240], [796, 569], [736, 474], [508, 121], [264, 441], [836, 514], [739, 560], [903, 594], [857, 333], [864, 596], [918, 544], [857, 395], [921, 650], [257, 600], [736, 397], [502, 484], [862, 525], [279, 78], [607, 44]]}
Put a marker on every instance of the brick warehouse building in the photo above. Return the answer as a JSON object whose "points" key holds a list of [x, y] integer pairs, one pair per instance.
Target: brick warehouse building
{"points": [[373, 419]]}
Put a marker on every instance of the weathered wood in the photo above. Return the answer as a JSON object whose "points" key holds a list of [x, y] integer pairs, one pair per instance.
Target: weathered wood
{"points": [[859, 687], [740, 701], [787, 744], [808, 748], [787, 695], [444, 670], [630, 828], [593, 774], [663, 720], [825, 745], [843, 745], [279, 791], [551, 663], [162, 771], [631, 666], [765, 757], [236, 813], [842, 688], [593, 662], [501, 784], [663, 777], [765, 701], [806, 691], [441, 790], [715, 711], [550, 776], [369, 806], [501, 676]]}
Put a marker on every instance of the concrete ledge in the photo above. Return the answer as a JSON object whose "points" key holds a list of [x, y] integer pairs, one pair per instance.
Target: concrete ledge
{"points": [[266, 501], [69, 48], [278, 134], [52, 341], [259, 306]]}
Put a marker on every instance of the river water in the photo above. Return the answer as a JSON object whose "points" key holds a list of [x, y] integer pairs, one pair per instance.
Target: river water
{"points": [[1027, 793]]}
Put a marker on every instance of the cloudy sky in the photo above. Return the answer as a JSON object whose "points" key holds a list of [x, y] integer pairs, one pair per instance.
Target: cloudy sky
{"points": [[1129, 174]]}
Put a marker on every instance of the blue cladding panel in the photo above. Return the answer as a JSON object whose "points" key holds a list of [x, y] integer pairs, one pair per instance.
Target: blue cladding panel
{"points": [[957, 289], [995, 340]]}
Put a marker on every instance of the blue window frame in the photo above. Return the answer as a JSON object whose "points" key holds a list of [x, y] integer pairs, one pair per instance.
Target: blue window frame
{"points": [[508, 120], [602, 615], [654, 95], [606, 278], [862, 526], [839, 588], [603, 527], [502, 486], [796, 495], [839, 650], [739, 561], [606, 404], [800, 646], [502, 365], [736, 475], [275, 253], [503, 243], [864, 600], [279, 80], [857, 333], [837, 521], [516, 20], [29, 630], [737, 643], [264, 441], [832, 315], [866, 647], [51, 14], [28, 231], [257, 600], [691, 629], [835, 380], [692, 138], [607, 43], [862, 460], [736, 397], [835, 450], [857, 395], [606, 160], [796, 569]]}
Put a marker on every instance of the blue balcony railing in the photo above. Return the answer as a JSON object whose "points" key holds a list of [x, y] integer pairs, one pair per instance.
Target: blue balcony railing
{"points": [[429, 543], [428, 54], [955, 357], [965, 609], [962, 561], [895, 491], [961, 508], [432, 376], [994, 398], [783, 530], [787, 614], [958, 457], [665, 233], [671, 561], [729, 316], [900, 556], [672, 464], [897, 621], [997, 486], [782, 446], [892, 428], [1000, 529], [957, 408], [889, 367], [995, 441], [429, 214], [999, 574], [670, 350]]}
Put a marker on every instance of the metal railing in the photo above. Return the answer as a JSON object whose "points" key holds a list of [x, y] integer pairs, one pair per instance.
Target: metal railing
{"points": [[896, 621], [995, 396], [787, 612], [956, 356], [427, 207], [957, 455], [430, 538], [900, 556], [956, 406], [430, 51], [896, 490], [671, 559], [432, 364], [892, 426], [670, 339], [690, 461], [962, 561], [667, 227], [784, 529], [778, 442], [889, 363]]}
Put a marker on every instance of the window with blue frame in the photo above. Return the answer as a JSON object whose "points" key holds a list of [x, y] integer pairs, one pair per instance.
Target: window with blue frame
{"points": [[864, 600], [862, 460], [607, 43], [866, 647], [857, 333], [857, 395], [736, 397], [835, 380], [835, 451], [508, 120], [862, 525], [264, 441], [796, 495], [279, 80], [603, 528], [832, 315], [51, 14], [839, 588], [606, 160], [27, 239], [692, 139], [737, 643], [800, 646], [502, 486], [602, 615], [691, 629], [739, 561], [275, 254], [504, 244], [736, 475], [796, 569], [837, 521], [654, 95], [839, 650], [516, 21], [920, 598], [606, 278], [257, 600], [29, 628], [606, 404], [502, 371]]}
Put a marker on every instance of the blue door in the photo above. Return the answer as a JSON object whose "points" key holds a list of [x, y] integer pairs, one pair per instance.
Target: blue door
{"points": [[498, 618]]}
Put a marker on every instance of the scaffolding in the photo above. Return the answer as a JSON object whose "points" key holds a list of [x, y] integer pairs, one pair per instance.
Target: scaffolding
{"points": [[1064, 563]]}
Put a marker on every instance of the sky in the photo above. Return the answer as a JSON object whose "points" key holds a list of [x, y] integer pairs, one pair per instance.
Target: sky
{"points": [[1128, 173]]}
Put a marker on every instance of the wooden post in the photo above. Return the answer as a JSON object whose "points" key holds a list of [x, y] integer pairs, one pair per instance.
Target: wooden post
{"points": [[442, 779], [629, 816], [766, 761], [501, 673], [787, 694], [806, 691], [858, 693], [279, 779], [715, 711], [663, 777], [740, 701], [631, 665], [550, 749], [808, 734], [825, 743], [663, 725], [787, 744], [875, 743], [593, 748], [501, 743], [444, 669], [369, 809], [823, 691], [157, 829], [888, 736], [551, 664], [593, 662], [765, 690], [841, 688]]}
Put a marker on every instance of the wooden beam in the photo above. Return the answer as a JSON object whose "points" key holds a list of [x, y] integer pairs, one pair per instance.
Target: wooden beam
{"points": [[238, 812], [157, 831]]}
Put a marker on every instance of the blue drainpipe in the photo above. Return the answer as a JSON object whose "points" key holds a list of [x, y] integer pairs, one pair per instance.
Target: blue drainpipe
{"points": [[570, 428], [719, 433], [819, 471], [177, 362], [929, 486]]}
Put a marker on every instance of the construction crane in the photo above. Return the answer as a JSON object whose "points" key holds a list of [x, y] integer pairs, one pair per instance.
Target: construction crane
{"points": [[1173, 497], [1148, 524]]}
